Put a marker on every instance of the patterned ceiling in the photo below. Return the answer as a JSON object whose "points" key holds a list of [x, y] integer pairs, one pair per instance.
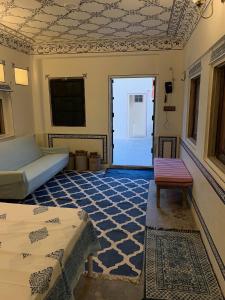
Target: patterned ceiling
{"points": [[37, 24]]}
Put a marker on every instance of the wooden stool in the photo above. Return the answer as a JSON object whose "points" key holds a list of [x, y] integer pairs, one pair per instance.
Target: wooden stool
{"points": [[171, 173]]}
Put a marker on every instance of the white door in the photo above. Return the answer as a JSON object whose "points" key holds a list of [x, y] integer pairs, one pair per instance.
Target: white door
{"points": [[137, 122]]}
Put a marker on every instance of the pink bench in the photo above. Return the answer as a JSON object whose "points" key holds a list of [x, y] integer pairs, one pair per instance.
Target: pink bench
{"points": [[171, 173]]}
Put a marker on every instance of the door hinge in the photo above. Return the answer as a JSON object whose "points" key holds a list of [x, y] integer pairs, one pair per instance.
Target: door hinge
{"points": [[153, 118], [113, 146], [112, 115]]}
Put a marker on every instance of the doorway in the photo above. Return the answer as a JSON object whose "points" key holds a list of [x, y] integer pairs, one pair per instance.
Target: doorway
{"points": [[132, 121]]}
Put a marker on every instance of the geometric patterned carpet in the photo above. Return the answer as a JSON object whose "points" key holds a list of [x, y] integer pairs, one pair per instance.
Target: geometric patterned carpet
{"points": [[117, 207], [177, 267]]}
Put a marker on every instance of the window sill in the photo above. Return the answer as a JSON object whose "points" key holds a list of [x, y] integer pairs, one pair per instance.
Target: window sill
{"points": [[215, 166], [192, 143]]}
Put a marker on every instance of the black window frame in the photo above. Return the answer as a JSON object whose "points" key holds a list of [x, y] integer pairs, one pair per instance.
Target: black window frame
{"points": [[54, 123], [194, 101], [2, 118], [216, 149], [138, 98]]}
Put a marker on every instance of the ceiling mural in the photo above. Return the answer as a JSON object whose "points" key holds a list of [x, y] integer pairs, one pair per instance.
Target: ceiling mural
{"points": [[81, 26]]}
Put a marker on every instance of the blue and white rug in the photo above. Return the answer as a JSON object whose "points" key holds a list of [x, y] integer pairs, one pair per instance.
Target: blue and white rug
{"points": [[177, 267], [117, 207]]}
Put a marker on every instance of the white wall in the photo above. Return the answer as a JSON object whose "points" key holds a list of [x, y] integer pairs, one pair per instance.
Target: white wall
{"points": [[210, 205], [22, 105], [122, 87], [98, 69]]}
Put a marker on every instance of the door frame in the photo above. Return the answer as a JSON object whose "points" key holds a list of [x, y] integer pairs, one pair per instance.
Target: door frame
{"points": [[110, 117]]}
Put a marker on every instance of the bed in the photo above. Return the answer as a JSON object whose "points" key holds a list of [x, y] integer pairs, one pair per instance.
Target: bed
{"points": [[43, 251]]}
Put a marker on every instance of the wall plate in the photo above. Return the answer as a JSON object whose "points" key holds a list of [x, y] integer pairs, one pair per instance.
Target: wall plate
{"points": [[169, 108]]}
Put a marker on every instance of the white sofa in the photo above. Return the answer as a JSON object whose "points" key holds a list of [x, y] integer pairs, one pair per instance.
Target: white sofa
{"points": [[24, 166]]}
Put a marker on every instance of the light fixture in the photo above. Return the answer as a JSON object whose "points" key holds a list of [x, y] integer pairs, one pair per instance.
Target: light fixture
{"points": [[2, 72], [21, 76], [198, 3]]}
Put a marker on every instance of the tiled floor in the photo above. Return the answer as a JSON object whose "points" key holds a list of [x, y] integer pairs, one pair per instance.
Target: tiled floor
{"points": [[132, 152], [172, 214], [98, 289]]}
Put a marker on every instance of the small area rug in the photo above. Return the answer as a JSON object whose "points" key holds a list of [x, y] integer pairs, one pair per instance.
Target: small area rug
{"points": [[117, 208], [177, 267], [131, 173]]}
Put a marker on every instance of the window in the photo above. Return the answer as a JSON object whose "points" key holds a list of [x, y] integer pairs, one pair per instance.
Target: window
{"points": [[21, 76], [138, 98], [67, 101], [217, 118], [2, 122], [193, 108]]}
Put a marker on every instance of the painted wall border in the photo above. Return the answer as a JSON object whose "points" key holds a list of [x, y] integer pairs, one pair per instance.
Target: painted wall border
{"points": [[195, 69], [210, 49], [101, 137], [218, 52], [170, 139], [208, 235], [215, 185]]}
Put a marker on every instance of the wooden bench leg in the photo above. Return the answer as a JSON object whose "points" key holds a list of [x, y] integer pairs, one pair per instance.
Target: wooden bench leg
{"points": [[158, 196], [90, 266], [184, 194]]}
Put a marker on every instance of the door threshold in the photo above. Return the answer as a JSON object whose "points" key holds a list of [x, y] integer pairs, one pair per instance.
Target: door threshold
{"points": [[131, 167]]}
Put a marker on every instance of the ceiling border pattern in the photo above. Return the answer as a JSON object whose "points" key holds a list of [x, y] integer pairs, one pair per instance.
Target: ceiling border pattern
{"points": [[184, 18], [107, 46], [14, 40], [177, 13], [190, 19]]}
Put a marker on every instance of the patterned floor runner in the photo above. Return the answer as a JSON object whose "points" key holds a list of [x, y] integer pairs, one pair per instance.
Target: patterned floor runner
{"points": [[117, 207], [177, 267]]}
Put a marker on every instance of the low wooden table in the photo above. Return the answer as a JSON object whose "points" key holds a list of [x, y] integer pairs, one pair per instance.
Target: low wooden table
{"points": [[171, 173]]}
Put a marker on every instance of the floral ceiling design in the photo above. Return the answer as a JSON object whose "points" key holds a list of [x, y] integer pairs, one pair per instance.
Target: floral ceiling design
{"points": [[81, 26]]}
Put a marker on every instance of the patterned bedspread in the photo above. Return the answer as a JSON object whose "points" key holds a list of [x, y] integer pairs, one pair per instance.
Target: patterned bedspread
{"points": [[43, 251]]}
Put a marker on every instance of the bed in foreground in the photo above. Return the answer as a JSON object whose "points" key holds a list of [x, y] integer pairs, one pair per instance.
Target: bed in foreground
{"points": [[43, 251]]}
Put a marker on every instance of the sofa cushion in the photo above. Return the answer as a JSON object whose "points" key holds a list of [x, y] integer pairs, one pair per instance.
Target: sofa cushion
{"points": [[18, 152], [44, 168]]}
